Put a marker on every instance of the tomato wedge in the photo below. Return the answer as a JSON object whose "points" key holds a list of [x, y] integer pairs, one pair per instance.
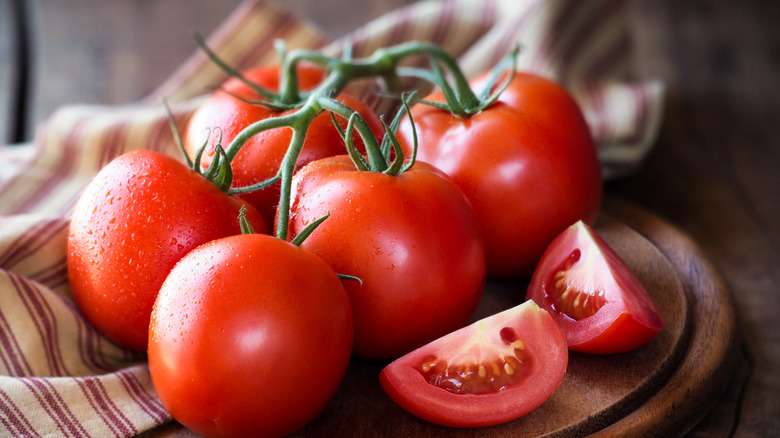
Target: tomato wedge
{"points": [[598, 302], [490, 372]]}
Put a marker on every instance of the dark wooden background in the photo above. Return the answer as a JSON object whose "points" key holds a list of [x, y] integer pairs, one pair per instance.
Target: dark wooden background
{"points": [[713, 173]]}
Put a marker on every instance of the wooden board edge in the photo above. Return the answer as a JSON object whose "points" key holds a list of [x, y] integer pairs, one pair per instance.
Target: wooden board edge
{"points": [[710, 361]]}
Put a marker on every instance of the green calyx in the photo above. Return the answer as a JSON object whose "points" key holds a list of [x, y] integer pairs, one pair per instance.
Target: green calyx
{"points": [[460, 100], [387, 158], [246, 228], [219, 172], [243, 222]]}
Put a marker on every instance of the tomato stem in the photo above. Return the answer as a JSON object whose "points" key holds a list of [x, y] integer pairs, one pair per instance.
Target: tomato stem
{"points": [[300, 126], [360, 163], [175, 131], [375, 157], [382, 63], [395, 167], [255, 128], [271, 96]]}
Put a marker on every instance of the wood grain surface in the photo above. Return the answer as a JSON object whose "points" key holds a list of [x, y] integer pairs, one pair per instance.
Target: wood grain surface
{"points": [[712, 174]]}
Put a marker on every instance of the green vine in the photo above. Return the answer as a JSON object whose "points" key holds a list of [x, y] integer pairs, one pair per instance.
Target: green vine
{"points": [[303, 107]]}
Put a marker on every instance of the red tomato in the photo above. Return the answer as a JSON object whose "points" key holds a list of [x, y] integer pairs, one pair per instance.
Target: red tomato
{"points": [[493, 371], [139, 215], [412, 240], [597, 301], [527, 163], [250, 336], [262, 155]]}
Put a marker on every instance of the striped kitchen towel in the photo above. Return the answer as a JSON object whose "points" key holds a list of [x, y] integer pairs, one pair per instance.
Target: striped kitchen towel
{"points": [[58, 376]]}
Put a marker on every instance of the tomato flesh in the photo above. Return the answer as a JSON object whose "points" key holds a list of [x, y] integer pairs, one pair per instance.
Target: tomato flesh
{"points": [[503, 366], [487, 373], [565, 295], [598, 302]]}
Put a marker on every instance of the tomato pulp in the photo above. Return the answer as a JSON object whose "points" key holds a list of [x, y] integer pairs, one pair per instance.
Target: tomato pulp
{"points": [[598, 302], [493, 371]]}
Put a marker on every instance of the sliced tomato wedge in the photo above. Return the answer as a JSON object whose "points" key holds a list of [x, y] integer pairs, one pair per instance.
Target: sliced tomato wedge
{"points": [[597, 301], [490, 372]]}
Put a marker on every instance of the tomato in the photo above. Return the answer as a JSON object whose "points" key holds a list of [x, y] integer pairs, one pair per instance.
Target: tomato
{"points": [[261, 156], [412, 239], [598, 302], [250, 336], [138, 216], [527, 163], [490, 372]]}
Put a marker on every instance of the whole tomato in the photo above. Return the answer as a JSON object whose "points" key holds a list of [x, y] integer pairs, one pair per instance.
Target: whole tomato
{"points": [[250, 336], [527, 163], [259, 159], [412, 239], [138, 216]]}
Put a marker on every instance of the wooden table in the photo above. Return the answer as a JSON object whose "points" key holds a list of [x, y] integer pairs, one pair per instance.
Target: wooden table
{"points": [[713, 173]]}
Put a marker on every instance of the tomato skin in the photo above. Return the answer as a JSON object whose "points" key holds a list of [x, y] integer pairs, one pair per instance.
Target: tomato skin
{"points": [[250, 336], [546, 357], [627, 317], [261, 156], [138, 216], [527, 163], [412, 240]]}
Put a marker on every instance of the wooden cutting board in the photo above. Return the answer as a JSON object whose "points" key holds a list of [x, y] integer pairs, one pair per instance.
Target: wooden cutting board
{"points": [[661, 389]]}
